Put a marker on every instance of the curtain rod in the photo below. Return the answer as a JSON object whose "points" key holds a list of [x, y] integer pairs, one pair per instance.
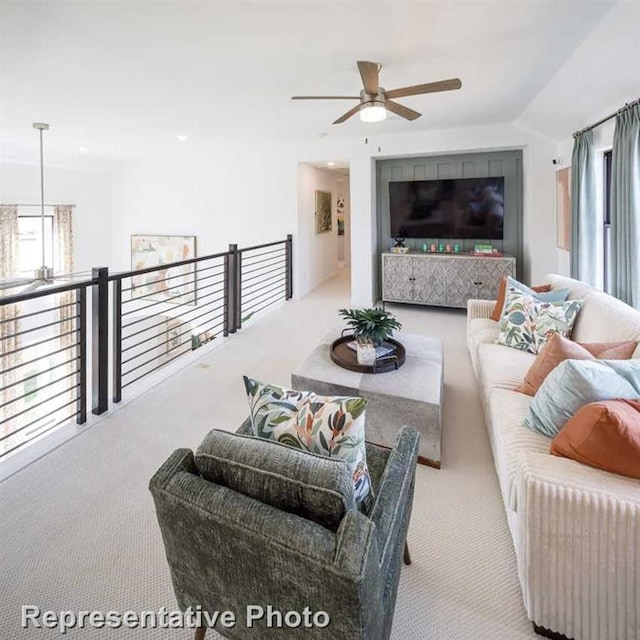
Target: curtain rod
{"points": [[627, 105], [46, 204]]}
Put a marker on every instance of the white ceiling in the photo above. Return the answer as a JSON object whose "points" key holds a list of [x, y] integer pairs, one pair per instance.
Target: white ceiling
{"points": [[124, 78]]}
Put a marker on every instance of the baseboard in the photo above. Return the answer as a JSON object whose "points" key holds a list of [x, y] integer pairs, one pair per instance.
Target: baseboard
{"points": [[547, 633]]}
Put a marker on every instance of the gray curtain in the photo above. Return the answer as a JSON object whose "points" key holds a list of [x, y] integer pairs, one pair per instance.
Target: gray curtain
{"points": [[584, 216], [625, 207]]}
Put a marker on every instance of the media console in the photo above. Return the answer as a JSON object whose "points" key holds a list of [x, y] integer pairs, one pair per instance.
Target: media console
{"points": [[442, 279]]}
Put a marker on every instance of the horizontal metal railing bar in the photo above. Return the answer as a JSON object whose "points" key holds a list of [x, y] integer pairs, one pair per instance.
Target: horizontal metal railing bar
{"points": [[197, 279], [142, 364], [256, 302], [263, 292], [41, 326], [44, 386], [264, 253], [219, 324], [269, 277], [262, 246], [30, 424], [135, 344], [35, 375], [154, 304], [21, 297], [41, 433], [267, 273], [254, 310], [155, 293], [39, 404], [37, 313], [137, 272], [28, 362], [276, 265], [152, 370], [182, 313], [269, 260], [35, 344]]}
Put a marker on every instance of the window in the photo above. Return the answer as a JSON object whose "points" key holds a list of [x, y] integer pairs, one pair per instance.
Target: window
{"points": [[30, 241], [606, 218]]}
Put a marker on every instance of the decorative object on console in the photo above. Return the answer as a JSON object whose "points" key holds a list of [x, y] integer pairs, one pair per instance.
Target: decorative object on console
{"points": [[323, 211], [370, 327], [605, 435], [170, 284], [558, 349], [331, 426], [559, 295], [574, 383], [527, 323]]}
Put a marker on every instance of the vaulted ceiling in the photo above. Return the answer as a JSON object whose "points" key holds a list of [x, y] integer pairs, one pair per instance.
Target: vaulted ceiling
{"points": [[121, 78]]}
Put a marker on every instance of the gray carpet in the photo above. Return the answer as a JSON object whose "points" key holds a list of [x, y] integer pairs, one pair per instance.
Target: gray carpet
{"points": [[78, 529]]}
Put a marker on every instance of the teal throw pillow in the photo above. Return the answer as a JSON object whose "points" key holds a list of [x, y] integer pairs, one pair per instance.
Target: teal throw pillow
{"points": [[574, 383], [555, 295], [331, 426]]}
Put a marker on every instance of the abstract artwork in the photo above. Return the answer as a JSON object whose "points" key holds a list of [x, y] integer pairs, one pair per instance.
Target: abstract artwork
{"points": [[323, 211], [169, 283], [563, 209]]}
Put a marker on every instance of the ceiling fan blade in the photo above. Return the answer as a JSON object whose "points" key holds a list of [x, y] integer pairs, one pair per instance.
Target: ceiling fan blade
{"points": [[430, 87], [346, 116], [401, 110], [325, 97], [369, 73]]}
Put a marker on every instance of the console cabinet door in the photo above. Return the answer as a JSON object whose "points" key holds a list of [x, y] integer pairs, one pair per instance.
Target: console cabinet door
{"points": [[460, 281], [428, 280], [397, 274], [489, 272]]}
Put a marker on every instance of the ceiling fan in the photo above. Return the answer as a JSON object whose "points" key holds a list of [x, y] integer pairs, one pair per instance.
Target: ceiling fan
{"points": [[43, 275], [375, 101]]}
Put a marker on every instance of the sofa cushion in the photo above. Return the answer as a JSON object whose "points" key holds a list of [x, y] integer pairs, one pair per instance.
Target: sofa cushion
{"points": [[574, 383], [501, 367], [331, 426], [502, 293], [312, 486], [605, 435], [527, 323], [557, 349]]}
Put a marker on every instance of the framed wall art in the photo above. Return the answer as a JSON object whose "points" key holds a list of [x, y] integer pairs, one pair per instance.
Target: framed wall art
{"points": [[169, 283], [340, 215], [323, 211]]}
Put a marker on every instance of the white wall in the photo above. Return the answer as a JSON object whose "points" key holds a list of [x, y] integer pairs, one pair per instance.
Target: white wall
{"points": [[90, 191], [319, 249]]}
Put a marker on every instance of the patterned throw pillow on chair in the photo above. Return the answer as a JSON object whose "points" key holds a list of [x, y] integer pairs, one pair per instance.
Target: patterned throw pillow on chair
{"points": [[527, 323], [326, 425]]}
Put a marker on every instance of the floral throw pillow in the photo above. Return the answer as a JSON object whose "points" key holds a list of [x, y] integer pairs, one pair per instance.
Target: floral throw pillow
{"points": [[527, 323], [331, 426]]}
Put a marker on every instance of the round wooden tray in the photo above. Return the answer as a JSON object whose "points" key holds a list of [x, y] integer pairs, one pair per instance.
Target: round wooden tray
{"points": [[346, 358]]}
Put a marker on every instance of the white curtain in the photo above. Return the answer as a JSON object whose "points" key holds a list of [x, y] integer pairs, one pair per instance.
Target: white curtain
{"points": [[9, 323]]}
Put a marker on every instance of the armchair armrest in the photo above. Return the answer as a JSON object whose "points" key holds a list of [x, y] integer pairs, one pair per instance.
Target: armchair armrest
{"points": [[392, 506]]}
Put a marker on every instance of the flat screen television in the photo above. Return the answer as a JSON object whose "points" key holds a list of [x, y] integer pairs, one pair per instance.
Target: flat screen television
{"points": [[457, 209]]}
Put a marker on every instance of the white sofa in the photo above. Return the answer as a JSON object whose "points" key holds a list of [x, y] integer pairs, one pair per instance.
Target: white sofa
{"points": [[576, 529]]}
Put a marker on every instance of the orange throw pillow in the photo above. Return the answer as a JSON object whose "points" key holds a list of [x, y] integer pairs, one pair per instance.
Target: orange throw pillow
{"points": [[558, 349], [604, 435], [502, 292]]}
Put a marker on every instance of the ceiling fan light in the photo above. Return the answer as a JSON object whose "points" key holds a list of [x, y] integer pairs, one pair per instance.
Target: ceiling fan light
{"points": [[373, 112]]}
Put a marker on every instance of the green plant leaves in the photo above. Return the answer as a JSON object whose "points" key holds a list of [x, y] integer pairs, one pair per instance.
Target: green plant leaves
{"points": [[371, 324]]}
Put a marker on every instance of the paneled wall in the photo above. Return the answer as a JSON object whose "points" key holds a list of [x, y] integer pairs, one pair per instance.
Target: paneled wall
{"points": [[473, 165]]}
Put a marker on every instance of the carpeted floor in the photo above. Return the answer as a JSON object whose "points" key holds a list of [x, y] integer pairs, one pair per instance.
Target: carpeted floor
{"points": [[78, 530]]}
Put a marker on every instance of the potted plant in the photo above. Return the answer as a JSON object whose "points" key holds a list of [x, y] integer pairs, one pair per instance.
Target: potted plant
{"points": [[371, 327]]}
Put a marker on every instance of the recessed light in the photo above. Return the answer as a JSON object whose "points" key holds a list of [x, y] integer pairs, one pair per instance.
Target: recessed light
{"points": [[83, 149], [331, 163], [182, 138]]}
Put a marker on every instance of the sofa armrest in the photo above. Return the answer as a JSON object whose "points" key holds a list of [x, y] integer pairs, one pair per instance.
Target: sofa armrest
{"points": [[392, 507], [480, 308], [577, 547]]}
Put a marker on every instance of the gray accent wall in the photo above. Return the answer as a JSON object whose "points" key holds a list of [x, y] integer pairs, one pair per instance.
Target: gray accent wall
{"points": [[470, 165]]}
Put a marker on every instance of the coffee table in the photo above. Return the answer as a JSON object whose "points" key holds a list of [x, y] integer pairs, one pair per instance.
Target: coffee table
{"points": [[411, 395]]}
